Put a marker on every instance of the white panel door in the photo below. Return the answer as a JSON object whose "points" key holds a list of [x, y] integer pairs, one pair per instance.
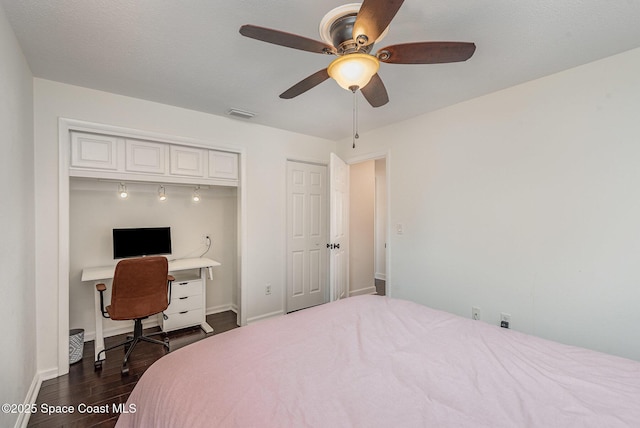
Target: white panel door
{"points": [[338, 228], [306, 235]]}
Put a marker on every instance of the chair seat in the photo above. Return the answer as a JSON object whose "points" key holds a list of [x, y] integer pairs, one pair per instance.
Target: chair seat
{"points": [[118, 319]]}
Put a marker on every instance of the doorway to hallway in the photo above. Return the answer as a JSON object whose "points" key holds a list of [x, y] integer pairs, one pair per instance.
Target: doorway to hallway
{"points": [[368, 227]]}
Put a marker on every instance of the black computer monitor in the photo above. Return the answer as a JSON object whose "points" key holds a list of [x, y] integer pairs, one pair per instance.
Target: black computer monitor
{"points": [[142, 241]]}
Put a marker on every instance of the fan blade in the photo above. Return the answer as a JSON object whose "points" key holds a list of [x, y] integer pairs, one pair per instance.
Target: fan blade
{"points": [[426, 52], [373, 18], [286, 39], [304, 85], [375, 92]]}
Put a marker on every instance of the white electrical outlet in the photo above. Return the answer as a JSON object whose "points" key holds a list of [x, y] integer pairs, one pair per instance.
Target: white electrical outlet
{"points": [[475, 313], [267, 289]]}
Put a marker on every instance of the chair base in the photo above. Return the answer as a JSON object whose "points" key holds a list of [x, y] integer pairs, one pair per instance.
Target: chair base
{"points": [[130, 344]]}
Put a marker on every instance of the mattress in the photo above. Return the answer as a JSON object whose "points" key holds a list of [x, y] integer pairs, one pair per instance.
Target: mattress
{"points": [[372, 361]]}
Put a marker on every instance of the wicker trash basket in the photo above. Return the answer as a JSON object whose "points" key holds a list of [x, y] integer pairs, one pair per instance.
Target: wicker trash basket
{"points": [[76, 345]]}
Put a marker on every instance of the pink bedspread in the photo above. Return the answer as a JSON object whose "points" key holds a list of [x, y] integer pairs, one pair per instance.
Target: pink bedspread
{"points": [[371, 361]]}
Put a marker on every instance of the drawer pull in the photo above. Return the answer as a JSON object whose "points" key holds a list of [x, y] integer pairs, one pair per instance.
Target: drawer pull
{"points": [[183, 283], [183, 312], [185, 297]]}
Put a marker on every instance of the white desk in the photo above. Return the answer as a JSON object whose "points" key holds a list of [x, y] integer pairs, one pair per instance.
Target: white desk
{"points": [[103, 273]]}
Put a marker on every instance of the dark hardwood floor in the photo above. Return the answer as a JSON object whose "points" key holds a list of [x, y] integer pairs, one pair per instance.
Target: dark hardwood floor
{"points": [[102, 389]]}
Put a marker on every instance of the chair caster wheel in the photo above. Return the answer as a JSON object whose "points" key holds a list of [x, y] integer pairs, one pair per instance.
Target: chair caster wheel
{"points": [[97, 365]]}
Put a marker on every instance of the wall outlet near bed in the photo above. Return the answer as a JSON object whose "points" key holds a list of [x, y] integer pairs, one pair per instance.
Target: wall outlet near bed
{"points": [[505, 320], [475, 313], [267, 289]]}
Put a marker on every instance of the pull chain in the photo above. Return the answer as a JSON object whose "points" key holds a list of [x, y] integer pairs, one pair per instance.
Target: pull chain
{"points": [[355, 115]]}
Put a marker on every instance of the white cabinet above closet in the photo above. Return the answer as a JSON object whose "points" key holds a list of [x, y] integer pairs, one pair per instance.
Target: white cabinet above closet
{"points": [[145, 156], [94, 151], [223, 165], [187, 161], [95, 155]]}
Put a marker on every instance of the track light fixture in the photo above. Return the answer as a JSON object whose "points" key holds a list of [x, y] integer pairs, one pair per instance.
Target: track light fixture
{"points": [[122, 191], [196, 194], [162, 195]]}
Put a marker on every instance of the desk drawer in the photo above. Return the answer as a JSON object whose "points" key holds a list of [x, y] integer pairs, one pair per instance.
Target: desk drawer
{"points": [[186, 303], [183, 319], [186, 288]]}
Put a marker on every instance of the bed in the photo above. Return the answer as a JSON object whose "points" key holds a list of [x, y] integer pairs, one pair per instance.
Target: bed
{"points": [[372, 361]]}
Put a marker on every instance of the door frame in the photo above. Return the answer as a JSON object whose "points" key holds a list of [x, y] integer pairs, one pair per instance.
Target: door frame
{"points": [[65, 126], [386, 155]]}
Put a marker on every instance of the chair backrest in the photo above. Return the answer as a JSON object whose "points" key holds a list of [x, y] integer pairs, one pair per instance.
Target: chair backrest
{"points": [[140, 288]]}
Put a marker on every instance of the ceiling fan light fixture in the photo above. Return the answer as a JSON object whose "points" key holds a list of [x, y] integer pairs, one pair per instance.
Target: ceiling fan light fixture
{"points": [[353, 70]]}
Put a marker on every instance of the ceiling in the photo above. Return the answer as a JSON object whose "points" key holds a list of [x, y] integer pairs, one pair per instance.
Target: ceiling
{"points": [[190, 54]]}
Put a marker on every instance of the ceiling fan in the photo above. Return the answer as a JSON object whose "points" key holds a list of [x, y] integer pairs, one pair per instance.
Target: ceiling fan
{"points": [[349, 32]]}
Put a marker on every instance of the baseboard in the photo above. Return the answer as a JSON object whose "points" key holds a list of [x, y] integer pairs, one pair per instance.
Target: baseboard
{"points": [[265, 316], [222, 308], [32, 394], [362, 291], [48, 374]]}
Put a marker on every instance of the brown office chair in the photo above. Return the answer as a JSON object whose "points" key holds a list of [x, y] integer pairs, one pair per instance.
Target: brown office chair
{"points": [[141, 287]]}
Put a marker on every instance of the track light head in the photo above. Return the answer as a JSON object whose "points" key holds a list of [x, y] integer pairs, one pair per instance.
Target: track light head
{"points": [[122, 191], [162, 195]]}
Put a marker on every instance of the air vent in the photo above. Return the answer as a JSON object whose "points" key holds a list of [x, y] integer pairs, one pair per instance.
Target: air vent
{"points": [[242, 114]]}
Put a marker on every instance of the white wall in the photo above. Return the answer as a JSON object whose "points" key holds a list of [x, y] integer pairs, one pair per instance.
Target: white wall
{"points": [[361, 228], [96, 209], [266, 152], [17, 258], [525, 201]]}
